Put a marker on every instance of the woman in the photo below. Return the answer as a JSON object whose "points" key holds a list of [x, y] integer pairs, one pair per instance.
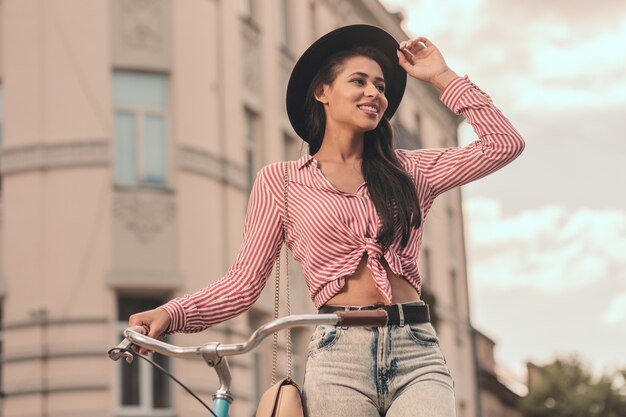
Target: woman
{"points": [[356, 211]]}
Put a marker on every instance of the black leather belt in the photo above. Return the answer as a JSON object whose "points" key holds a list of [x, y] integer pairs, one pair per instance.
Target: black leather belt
{"points": [[399, 314]]}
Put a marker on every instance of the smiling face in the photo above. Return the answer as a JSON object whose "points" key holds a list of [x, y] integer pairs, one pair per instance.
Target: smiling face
{"points": [[355, 100]]}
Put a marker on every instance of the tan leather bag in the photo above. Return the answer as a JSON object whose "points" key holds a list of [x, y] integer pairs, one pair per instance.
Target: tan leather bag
{"points": [[284, 398]]}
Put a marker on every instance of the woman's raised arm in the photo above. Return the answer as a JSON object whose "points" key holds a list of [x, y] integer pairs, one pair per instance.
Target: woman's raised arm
{"points": [[498, 142]]}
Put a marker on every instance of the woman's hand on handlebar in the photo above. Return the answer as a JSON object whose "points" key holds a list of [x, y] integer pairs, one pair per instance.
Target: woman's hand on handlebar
{"points": [[157, 321]]}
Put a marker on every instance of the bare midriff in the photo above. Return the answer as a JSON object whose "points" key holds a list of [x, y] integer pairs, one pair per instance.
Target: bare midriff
{"points": [[360, 290]]}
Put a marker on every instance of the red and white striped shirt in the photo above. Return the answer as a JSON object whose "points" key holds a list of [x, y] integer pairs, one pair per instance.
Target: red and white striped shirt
{"points": [[328, 230]]}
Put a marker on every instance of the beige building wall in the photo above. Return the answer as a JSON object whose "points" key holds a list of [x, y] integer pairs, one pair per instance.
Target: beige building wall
{"points": [[496, 398], [78, 239]]}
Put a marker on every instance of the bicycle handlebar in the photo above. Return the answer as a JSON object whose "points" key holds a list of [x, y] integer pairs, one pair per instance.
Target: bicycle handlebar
{"points": [[214, 352], [137, 335]]}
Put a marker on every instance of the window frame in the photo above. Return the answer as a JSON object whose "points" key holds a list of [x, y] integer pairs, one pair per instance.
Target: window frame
{"points": [[284, 28], [146, 382], [140, 113]]}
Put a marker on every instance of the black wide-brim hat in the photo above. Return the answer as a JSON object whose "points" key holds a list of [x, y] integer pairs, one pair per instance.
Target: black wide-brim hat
{"points": [[341, 39]]}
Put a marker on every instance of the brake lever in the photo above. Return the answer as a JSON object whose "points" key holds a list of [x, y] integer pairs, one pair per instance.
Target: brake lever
{"points": [[121, 350]]}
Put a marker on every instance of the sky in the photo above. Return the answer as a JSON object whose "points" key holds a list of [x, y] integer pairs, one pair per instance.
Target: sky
{"points": [[546, 235]]}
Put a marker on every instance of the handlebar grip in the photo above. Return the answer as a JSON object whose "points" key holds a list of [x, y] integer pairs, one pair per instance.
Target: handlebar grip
{"points": [[362, 318], [141, 329], [116, 353]]}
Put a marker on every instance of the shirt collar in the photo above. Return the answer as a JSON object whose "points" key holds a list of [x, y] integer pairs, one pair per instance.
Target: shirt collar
{"points": [[304, 159]]}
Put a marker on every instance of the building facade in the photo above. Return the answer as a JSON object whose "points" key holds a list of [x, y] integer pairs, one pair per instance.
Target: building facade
{"points": [[496, 398], [130, 134]]}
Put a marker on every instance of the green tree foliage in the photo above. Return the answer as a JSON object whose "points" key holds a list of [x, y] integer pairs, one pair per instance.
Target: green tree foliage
{"points": [[566, 388]]}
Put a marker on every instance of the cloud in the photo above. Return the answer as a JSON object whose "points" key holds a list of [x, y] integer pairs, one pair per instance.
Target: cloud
{"points": [[577, 13], [429, 17], [561, 54], [551, 248], [616, 313]]}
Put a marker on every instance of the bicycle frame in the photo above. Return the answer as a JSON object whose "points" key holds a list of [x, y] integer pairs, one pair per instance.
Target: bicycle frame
{"points": [[215, 354]]}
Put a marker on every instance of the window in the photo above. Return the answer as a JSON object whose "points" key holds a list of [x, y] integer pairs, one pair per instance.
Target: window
{"points": [[312, 21], [284, 23], [251, 132], [140, 103], [142, 389]]}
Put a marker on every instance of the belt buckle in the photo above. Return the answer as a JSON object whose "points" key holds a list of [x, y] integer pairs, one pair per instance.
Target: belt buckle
{"points": [[387, 308]]}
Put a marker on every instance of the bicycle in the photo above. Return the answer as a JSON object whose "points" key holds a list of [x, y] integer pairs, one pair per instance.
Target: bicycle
{"points": [[215, 354]]}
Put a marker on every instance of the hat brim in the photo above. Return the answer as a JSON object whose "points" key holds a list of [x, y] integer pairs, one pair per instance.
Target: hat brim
{"points": [[344, 38]]}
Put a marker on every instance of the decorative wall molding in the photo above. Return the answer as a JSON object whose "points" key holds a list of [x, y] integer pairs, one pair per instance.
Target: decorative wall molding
{"points": [[212, 166], [141, 34], [25, 324], [36, 388], [143, 212], [201, 162], [144, 239], [44, 156], [122, 278], [235, 176], [26, 356], [89, 152]]}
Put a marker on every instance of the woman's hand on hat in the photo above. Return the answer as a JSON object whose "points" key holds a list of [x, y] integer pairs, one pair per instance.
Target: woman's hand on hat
{"points": [[421, 59]]}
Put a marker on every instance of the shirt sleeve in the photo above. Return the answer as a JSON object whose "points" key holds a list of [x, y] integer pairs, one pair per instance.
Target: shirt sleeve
{"points": [[498, 142], [237, 291]]}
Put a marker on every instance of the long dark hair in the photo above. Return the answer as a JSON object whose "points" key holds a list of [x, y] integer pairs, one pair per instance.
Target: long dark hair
{"points": [[392, 189]]}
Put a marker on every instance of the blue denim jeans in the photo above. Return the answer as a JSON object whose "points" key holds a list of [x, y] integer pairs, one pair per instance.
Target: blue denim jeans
{"points": [[392, 371]]}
